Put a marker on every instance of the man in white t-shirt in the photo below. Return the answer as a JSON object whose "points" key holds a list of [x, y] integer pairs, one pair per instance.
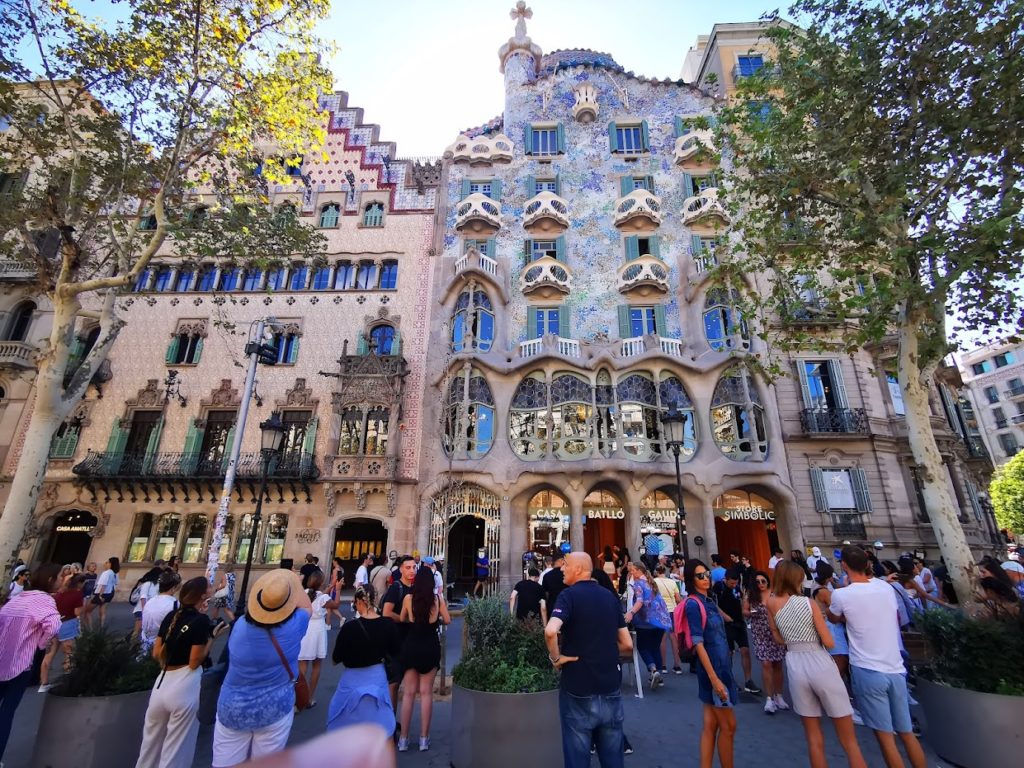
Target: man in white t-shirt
{"points": [[869, 609], [776, 558], [814, 559], [363, 572], [157, 608]]}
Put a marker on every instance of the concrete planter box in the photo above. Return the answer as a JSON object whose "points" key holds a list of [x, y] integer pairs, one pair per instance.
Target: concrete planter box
{"points": [[90, 731], [505, 730], [971, 729]]}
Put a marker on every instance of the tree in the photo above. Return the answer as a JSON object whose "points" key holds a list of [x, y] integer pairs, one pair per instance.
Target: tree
{"points": [[1007, 494], [877, 182], [112, 134]]}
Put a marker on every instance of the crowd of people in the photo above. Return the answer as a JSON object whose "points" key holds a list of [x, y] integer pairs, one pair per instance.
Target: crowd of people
{"points": [[813, 626]]}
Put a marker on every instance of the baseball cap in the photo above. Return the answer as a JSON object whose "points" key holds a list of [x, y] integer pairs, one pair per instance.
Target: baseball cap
{"points": [[19, 570], [816, 551], [428, 560], [1013, 567]]}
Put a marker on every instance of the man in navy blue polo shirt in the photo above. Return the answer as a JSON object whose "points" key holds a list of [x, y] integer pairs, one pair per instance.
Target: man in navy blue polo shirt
{"points": [[594, 635]]}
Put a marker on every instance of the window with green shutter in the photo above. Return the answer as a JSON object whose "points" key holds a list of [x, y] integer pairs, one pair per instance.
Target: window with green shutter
{"points": [[640, 245], [544, 140], [65, 440], [628, 138]]}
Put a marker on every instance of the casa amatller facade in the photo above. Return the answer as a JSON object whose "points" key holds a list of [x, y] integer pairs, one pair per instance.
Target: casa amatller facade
{"points": [[486, 359]]}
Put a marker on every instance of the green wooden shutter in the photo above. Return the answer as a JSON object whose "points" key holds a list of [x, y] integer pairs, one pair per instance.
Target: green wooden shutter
{"points": [[193, 446], [625, 185], [645, 136], [835, 371], [362, 348], [199, 350], [527, 250], [563, 321], [115, 446], [560, 137], [152, 445], [861, 494], [805, 387], [489, 247], [558, 184], [660, 325], [624, 330], [228, 444], [613, 137], [649, 183], [533, 317], [172, 350], [655, 242], [632, 247], [496, 189], [465, 188], [76, 354], [293, 351], [818, 489], [528, 139], [560, 248], [679, 127], [309, 441], [687, 185], [531, 186], [696, 245], [64, 447]]}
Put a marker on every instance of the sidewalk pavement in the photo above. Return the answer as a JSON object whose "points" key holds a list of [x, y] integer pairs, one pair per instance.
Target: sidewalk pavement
{"points": [[664, 727]]}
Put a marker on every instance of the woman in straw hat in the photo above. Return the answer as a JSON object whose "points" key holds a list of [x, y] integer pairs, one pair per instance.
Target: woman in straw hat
{"points": [[257, 700]]}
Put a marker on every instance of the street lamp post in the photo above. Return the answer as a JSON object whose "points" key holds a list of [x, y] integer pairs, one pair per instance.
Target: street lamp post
{"points": [[675, 426], [271, 435]]}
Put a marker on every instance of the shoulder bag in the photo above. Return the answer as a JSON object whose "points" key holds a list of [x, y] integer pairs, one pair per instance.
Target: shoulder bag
{"points": [[302, 697]]}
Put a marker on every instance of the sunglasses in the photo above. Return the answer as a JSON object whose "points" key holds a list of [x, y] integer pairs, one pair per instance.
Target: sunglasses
{"points": [[702, 575], [760, 581]]}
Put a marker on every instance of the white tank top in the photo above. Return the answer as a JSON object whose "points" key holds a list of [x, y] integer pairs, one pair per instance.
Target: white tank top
{"points": [[796, 622]]}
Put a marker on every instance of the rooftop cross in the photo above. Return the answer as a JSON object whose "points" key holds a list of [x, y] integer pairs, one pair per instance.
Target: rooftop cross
{"points": [[521, 13]]}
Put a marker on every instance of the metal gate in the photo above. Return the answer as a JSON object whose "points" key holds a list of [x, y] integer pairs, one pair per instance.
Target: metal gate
{"points": [[458, 501]]}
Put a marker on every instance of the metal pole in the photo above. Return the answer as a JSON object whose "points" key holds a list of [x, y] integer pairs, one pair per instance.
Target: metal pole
{"points": [[240, 603], [680, 511], [213, 556]]}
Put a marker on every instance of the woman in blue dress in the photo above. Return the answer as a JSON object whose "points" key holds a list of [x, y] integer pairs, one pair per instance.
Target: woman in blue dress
{"points": [[715, 685]]}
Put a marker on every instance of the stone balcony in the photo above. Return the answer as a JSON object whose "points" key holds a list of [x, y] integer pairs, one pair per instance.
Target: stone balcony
{"points": [[473, 259], [705, 208], [546, 214], [550, 344], [642, 277], [641, 345], [639, 211], [477, 214], [481, 150], [546, 278], [17, 354], [685, 154], [16, 271]]}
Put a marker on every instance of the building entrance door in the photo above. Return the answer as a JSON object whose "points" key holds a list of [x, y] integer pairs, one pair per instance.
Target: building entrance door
{"points": [[604, 523], [352, 539], [70, 540], [464, 541], [746, 521]]}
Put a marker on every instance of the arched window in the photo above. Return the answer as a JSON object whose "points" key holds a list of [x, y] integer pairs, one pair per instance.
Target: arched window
{"points": [[322, 279], [671, 391], [344, 276], [162, 281], [724, 326], [607, 422], [207, 278], [21, 320], [469, 416], [473, 328], [366, 277], [329, 215], [373, 215], [382, 338], [572, 416], [638, 406], [529, 418], [737, 418], [138, 544], [277, 279], [364, 433], [253, 278], [377, 432], [299, 275], [184, 280], [229, 279]]}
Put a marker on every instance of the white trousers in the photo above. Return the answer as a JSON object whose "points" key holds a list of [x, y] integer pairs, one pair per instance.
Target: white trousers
{"points": [[169, 737], [231, 747]]}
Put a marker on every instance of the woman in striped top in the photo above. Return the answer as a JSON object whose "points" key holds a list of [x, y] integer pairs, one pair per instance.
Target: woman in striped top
{"points": [[814, 681]]}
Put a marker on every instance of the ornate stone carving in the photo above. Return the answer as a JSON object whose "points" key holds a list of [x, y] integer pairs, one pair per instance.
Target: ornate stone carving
{"points": [[192, 327], [299, 394], [392, 500], [360, 493], [330, 498], [101, 526], [308, 536], [223, 396], [149, 396]]}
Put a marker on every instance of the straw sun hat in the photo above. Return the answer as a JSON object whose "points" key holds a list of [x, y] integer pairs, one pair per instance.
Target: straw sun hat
{"points": [[275, 596]]}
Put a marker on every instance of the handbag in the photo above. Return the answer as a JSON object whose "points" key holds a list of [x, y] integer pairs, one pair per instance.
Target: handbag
{"points": [[222, 592], [302, 697], [658, 615]]}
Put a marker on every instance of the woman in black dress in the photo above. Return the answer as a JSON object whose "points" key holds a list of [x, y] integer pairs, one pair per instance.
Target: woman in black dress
{"points": [[421, 653]]}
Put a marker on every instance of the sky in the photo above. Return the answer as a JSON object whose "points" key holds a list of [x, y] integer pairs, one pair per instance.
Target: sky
{"points": [[424, 71]]}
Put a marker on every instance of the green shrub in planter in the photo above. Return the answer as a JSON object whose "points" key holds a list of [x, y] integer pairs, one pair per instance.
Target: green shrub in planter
{"points": [[503, 655], [104, 664], [979, 654]]}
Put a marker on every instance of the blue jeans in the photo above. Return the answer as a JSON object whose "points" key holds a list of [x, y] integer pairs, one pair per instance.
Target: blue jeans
{"points": [[11, 692], [648, 644], [590, 720]]}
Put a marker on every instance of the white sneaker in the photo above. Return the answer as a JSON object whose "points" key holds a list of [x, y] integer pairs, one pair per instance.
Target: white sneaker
{"points": [[424, 744], [769, 707], [403, 744], [857, 719], [656, 681], [45, 688], [780, 703]]}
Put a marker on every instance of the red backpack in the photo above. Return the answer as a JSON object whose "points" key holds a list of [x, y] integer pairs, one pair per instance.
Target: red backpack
{"points": [[682, 626]]}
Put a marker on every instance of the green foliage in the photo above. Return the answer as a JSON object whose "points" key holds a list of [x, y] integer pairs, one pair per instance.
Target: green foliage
{"points": [[1007, 494], [503, 655], [979, 654], [105, 664]]}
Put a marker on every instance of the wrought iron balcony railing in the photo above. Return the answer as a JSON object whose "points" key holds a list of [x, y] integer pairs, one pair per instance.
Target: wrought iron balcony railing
{"points": [[848, 526], [834, 421], [976, 448]]}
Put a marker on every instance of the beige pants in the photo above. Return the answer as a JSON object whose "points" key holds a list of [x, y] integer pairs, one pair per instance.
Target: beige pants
{"points": [[169, 737]]}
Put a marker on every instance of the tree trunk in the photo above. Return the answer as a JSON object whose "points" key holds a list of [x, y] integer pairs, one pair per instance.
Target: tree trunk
{"points": [[941, 508]]}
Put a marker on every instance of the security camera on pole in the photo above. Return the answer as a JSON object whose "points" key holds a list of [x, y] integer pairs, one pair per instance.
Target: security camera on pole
{"points": [[259, 351]]}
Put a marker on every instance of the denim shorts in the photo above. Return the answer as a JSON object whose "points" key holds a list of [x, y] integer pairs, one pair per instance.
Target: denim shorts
{"points": [[68, 629], [882, 700]]}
